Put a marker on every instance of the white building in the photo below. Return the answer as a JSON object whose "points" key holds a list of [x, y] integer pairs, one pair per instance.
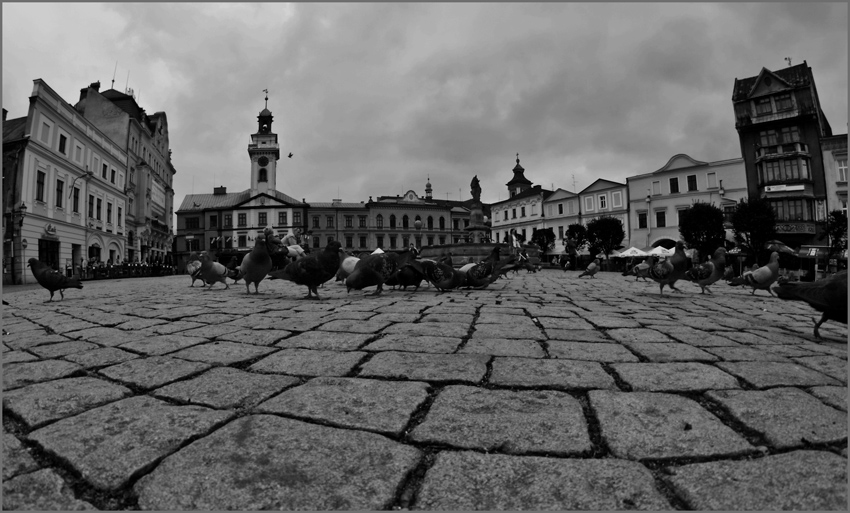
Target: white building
{"points": [[522, 211]]}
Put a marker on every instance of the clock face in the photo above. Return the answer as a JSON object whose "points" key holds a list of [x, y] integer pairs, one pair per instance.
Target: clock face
{"points": [[263, 161]]}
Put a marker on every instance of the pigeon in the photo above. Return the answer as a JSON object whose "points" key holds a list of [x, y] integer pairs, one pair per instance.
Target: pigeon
{"points": [[762, 278], [670, 270], [377, 269], [408, 276], [446, 259], [641, 270], [443, 277], [709, 272], [828, 295], [257, 264], [346, 267], [212, 272], [312, 270], [481, 275], [592, 269], [233, 268], [52, 279], [193, 267]]}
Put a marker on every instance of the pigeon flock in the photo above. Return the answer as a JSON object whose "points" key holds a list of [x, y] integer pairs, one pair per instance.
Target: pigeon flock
{"points": [[406, 269]]}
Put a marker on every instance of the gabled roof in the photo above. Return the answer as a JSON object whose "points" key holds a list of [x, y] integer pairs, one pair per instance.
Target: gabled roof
{"points": [[601, 184], [792, 76], [201, 202], [337, 204], [13, 129], [560, 193], [534, 191]]}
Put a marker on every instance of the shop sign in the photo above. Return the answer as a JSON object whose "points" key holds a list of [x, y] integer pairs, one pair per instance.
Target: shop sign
{"points": [[784, 188]]}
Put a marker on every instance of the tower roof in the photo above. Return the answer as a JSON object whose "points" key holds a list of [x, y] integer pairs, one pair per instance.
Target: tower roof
{"points": [[265, 112], [519, 176]]}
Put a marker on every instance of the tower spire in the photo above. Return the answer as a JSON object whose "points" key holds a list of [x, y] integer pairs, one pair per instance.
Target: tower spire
{"points": [[267, 97]]}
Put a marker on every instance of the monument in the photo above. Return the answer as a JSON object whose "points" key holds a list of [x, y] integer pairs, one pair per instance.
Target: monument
{"points": [[477, 228]]}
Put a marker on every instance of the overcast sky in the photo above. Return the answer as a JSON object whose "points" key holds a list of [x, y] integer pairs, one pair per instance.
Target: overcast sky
{"points": [[374, 98]]}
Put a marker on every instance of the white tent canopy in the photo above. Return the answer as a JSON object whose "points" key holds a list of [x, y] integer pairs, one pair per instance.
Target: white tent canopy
{"points": [[660, 251], [632, 252]]}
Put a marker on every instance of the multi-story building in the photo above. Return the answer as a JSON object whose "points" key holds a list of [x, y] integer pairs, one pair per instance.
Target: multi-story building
{"points": [[835, 170], [522, 211], [561, 209], [64, 185], [150, 173], [346, 222], [605, 198], [657, 198], [781, 124]]}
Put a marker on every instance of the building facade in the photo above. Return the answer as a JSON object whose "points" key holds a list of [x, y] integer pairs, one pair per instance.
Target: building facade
{"points": [[64, 185], [605, 198], [780, 125], [150, 172], [835, 171], [561, 209], [657, 198], [522, 211]]}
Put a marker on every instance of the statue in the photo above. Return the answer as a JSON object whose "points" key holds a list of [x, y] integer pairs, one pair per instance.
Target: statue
{"points": [[476, 189]]}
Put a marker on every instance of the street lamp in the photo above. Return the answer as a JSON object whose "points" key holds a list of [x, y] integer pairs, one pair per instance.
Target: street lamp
{"points": [[418, 225], [721, 191], [648, 217], [87, 175], [16, 217]]}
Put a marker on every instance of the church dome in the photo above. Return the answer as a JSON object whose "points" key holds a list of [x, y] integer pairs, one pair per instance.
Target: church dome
{"points": [[265, 112]]}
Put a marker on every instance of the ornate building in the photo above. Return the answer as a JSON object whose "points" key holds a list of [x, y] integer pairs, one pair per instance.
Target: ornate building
{"points": [[522, 211]]}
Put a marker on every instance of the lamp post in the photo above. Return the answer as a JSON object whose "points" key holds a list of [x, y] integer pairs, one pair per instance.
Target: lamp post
{"points": [[418, 225], [648, 217], [17, 222]]}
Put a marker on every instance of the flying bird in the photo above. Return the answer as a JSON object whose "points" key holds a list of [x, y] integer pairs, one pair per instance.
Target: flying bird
{"points": [[52, 279], [761, 278], [828, 295], [290, 155], [312, 270], [592, 269], [257, 264], [212, 272], [709, 272]]}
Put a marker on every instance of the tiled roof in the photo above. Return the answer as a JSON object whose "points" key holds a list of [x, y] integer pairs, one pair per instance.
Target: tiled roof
{"points": [[13, 129], [337, 205], [527, 194], [795, 76], [201, 202]]}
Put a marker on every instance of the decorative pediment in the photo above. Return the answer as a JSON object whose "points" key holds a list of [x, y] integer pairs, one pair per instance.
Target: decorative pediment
{"points": [[766, 83], [560, 194], [411, 196], [262, 200], [601, 184], [680, 161]]}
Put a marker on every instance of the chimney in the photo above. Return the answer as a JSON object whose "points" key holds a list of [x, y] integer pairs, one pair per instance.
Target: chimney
{"points": [[95, 86], [219, 190]]}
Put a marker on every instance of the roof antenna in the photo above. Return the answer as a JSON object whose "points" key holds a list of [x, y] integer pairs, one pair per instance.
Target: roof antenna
{"points": [[113, 74], [788, 60], [128, 81]]}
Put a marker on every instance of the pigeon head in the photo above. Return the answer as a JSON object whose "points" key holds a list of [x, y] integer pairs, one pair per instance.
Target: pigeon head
{"points": [[32, 262], [774, 257], [333, 246]]}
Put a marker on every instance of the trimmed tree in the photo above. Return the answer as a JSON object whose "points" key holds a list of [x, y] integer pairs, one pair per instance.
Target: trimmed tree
{"points": [[574, 240], [701, 227], [754, 223], [544, 239], [836, 230], [605, 234]]}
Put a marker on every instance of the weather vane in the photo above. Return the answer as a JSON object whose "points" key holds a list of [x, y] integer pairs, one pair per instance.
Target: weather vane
{"points": [[267, 97]]}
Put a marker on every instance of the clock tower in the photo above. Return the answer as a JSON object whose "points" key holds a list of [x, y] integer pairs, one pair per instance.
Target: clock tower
{"points": [[264, 151]]}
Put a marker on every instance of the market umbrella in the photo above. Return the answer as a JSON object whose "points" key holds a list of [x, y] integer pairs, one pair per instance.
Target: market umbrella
{"points": [[660, 251], [632, 252], [779, 246]]}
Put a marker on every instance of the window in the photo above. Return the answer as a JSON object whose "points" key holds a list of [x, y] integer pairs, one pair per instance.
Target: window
{"points": [[243, 241], [103, 171], [783, 102], [281, 218], [572, 207], [560, 232], [361, 222], [430, 223], [768, 138], [405, 224], [656, 188], [790, 134], [193, 223], [99, 209], [76, 204], [349, 222], [674, 185], [362, 241], [522, 211], [242, 219], [63, 143], [315, 221], [379, 240], [228, 220], [679, 211], [262, 218], [296, 218], [118, 221], [728, 212], [712, 180], [790, 169], [602, 201], [45, 133], [842, 170], [392, 221], [443, 221], [60, 192], [263, 175], [641, 220], [506, 215], [349, 241], [405, 241], [617, 199], [213, 221], [39, 186], [456, 223], [315, 241], [430, 240], [329, 220], [112, 178], [513, 213], [692, 183], [763, 106], [78, 153], [194, 244], [109, 213], [588, 203], [660, 219], [379, 221], [560, 208], [443, 237], [91, 206]]}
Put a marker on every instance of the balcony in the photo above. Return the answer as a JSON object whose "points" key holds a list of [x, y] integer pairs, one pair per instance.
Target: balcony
{"points": [[781, 151]]}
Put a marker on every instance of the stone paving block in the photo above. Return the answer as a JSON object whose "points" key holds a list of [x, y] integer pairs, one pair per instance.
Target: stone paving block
{"points": [[222, 353], [137, 324], [833, 396], [674, 377], [211, 331], [426, 367], [394, 317], [591, 351], [255, 337], [171, 327], [152, 372], [704, 323], [214, 318], [109, 444], [506, 421], [17, 357], [29, 339], [173, 314], [694, 337], [776, 374], [351, 316], [224, 387], [776, 336], [105, 336], [466, 481], [423, 344], [832, 366], [273, 322], [262, 462], [576, 335], [564, 323], [326, 340], [747, 338], [70, 325], [799, 480], [786, 417], [824, 347], [42, 490], [745, 354], [639, 335], [63, 348], [295, 324], [504, 347], [451, 308], [350, 326], [500, 318], [309, 362], [15, 327], [669, 352], [500, 310], [508, 331], [160, 345], [16, 459], [653, 426], [608, 321], [101, 357], [788, 351], [40, 403], [433, 329], [16, 375], [459, 318], [559, 374], [374, 405]]}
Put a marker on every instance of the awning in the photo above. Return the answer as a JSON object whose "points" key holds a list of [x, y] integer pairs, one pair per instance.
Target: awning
{"points": [[813, 252]]}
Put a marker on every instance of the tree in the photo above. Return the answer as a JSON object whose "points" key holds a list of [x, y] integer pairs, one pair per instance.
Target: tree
{"points": [[576, 238], [701, 227], [544, 239], [836, 230], [754, 224], [605, 234]]}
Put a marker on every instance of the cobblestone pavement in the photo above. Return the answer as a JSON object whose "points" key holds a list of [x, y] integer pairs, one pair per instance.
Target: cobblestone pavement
{"points": [[544, 391]]}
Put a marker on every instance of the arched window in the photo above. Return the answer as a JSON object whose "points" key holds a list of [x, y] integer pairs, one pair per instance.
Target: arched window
{"points": [[263, 175], [405, 223], [379, 221], [442, 223], [430, 223], [392, 220]]}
